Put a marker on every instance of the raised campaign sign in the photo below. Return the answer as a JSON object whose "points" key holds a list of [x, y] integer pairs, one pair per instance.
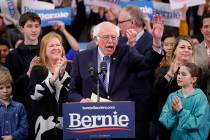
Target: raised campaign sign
{"points": [[50, 17]]}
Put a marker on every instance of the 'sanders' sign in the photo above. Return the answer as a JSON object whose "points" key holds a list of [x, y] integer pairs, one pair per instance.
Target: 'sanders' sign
{"points": [[99, 120]]}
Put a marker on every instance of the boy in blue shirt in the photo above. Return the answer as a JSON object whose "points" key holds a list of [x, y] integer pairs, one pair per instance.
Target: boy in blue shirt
{"points": [[13, 119]]}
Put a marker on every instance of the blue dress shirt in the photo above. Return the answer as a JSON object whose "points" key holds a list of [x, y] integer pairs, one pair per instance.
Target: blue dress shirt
{"points": [[13, 120]]}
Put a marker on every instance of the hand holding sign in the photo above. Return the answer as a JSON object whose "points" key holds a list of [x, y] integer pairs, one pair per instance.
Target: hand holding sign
{"points": [[177, 4]]}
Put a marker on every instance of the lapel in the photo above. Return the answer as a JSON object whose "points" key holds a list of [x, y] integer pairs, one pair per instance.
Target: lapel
{"points": [[203, 50], [201, 56], [139, 41], [113, 69], [95, 58]]}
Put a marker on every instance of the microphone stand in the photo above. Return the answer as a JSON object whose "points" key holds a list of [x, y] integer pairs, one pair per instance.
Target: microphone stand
{"points": [[97, 87], [95, 75]]}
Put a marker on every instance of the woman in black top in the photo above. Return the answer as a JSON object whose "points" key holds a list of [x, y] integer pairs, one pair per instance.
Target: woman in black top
{"points": [[49, 87]]}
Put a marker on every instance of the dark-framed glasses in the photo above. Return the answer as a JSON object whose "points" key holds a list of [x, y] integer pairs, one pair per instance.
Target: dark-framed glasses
{"points": [[107, 37], [123, 21]]}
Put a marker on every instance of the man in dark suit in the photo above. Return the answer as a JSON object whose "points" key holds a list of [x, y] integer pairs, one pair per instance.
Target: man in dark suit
{"points": [[123, 60], [140, 82]]}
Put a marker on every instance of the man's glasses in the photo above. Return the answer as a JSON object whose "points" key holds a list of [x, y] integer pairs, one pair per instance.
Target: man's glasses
{"points": [[123, 21], [107, 37]]}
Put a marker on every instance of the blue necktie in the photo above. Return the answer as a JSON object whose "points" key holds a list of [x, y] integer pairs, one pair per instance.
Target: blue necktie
{"points": [[103, 77]]}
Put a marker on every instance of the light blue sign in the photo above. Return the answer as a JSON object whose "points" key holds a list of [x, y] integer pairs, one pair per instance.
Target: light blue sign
{"points": [[50, 17], [145, 6]]}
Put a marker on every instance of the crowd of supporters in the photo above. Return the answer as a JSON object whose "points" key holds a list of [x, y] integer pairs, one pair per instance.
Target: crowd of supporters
{"points": [[37, 63]]}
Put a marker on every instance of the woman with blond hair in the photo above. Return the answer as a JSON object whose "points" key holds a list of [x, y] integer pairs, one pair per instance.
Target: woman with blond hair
{"points": [[48, 88]]}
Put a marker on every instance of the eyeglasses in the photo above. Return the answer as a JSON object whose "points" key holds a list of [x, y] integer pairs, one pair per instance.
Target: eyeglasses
{"points": [[107, 37], [120, 22]]}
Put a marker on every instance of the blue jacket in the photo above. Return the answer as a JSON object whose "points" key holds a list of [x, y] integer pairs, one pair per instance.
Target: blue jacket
{"points": [[192, 122], [13, 120]]}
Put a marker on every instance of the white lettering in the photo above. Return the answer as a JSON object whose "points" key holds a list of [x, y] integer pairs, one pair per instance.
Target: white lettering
{"points": [[50, 16], [146, 9], [74, 118], [123, 120], [106, 120], [86, 121], [77, 122]]}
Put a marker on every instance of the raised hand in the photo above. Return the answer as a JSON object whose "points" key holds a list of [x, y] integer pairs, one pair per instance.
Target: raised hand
{"points": [[7, 17], [158, 28], [59, 26]]}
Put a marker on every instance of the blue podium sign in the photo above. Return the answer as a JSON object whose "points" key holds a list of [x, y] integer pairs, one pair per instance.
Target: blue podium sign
{"points": [[98, 120]]}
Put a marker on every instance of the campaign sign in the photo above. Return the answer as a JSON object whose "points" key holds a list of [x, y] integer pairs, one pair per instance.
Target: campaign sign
{"points": [[145, 6], [98, 120], [31, 5], [171, 17], [177, 4], [103, 3], [50, 17]]}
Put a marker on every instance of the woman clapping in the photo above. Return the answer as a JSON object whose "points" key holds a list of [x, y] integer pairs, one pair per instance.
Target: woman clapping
{"points": [[49, 87]]}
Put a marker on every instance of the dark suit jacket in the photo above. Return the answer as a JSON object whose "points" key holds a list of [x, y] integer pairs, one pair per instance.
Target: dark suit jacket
{"points": [[141, 82], [123, 61]]}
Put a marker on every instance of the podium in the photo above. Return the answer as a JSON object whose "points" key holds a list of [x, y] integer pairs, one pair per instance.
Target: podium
{"points": [[98, 120]]}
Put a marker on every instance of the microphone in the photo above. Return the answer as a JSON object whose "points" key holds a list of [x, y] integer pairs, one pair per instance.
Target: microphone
{"points": [[103, 68]]}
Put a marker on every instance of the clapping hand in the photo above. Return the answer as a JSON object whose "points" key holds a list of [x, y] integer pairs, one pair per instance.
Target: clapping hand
{"points": [[131, 35], [34, 62], [173, 69], [59, 69], [63, 64], [176, 104]]}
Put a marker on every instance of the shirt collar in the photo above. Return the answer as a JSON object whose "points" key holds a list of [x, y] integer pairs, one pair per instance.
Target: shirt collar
{"points": [[139, 35], [205, 44], [100, 54], [11, 102], [180, 93]]}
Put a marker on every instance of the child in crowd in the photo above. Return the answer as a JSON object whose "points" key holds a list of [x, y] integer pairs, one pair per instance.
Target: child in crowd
{"points": [[186, 111], [21, 60], [13, 119]]}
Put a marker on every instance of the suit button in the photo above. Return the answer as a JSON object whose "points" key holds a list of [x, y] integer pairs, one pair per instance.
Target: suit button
{"points": [[108, 97]]}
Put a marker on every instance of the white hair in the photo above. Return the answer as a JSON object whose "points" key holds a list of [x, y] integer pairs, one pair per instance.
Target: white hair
{"points": [[97, 28]]}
